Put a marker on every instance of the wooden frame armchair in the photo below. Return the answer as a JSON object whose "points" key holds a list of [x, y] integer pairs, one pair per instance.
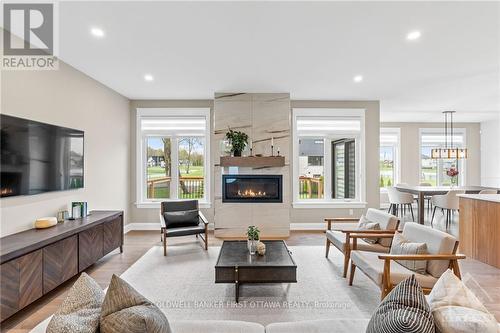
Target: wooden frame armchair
{"points": [[386, 272], [176, 230], [341, 238]]}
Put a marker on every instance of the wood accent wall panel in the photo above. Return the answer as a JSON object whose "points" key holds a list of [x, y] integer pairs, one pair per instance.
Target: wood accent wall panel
{"points": [[90, 246], [21, 283], [113, 235], [60, 262]]}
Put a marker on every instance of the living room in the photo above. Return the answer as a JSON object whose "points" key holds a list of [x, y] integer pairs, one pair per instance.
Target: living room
{"points": [[250, 166]]}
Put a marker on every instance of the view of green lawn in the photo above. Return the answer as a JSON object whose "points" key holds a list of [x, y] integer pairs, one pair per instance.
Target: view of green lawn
{"points": [[158, 172]]}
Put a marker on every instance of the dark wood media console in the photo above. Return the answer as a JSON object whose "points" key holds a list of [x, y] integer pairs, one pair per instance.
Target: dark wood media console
{"points": [[36, 261]]}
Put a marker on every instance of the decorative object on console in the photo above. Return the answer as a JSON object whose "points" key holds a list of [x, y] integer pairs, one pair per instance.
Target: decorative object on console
{"points": [[456, 309], [403, 310], [126, 310], [80, 310], [45, 222], [79, 209], [62, 216], [238, 141], [253, 236], [261, 248]]}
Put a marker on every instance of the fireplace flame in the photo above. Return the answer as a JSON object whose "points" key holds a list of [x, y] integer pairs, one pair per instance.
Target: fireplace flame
{"points": [[250, 193], [6, 191]]}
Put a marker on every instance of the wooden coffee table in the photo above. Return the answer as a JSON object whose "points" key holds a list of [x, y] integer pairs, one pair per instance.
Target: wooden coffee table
{"points": [[236, 265]]}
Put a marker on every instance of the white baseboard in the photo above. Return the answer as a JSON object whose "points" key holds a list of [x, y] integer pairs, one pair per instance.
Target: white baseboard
{"points": [[141, 226], [149, 226], [307, 226]]}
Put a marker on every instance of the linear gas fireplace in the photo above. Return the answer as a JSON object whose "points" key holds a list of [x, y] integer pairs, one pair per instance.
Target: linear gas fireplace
{"points": [[252, 188]]}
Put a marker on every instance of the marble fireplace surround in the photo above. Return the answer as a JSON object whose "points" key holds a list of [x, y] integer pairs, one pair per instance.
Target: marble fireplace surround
{"points": [[261, 116]]}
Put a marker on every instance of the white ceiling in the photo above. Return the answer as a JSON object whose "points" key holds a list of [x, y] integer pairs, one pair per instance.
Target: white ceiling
{"points": [[312, 50]]}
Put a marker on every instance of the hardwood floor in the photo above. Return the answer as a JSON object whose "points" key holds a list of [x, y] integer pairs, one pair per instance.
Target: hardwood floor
{"points": [[484, 280]]}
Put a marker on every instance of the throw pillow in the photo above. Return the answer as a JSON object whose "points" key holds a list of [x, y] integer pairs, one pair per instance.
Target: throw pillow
{"points": [[459, 319], [125, 310], [450, 301], [400, 245], [365, 224], [183, 218], [403, 310], [80, 310]]}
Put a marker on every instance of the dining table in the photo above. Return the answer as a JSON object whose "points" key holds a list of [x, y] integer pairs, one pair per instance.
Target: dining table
{"points": [[425, 191]]}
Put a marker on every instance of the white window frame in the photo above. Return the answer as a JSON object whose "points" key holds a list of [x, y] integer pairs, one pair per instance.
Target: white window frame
{"points": [[461, 131], [327, 201], [397, 159], [141, 154]]}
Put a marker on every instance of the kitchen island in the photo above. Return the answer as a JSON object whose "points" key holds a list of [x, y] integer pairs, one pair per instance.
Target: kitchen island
{"points": [[479, 231]]}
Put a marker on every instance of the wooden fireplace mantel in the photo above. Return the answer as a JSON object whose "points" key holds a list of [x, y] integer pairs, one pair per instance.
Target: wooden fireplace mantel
{"points": [[253, 161]]}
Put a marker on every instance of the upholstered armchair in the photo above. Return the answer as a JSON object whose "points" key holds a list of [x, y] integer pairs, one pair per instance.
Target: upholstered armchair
{"points": [[343, 228], [182, 218], [386, 272]]}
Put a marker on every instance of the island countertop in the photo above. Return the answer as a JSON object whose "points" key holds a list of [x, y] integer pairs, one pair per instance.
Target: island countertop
{"points": [[483, 197]]}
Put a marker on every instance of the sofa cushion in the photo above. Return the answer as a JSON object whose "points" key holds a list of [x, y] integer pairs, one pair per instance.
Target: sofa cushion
{"points": [[125, 310], [438, 242], [373, 267], [338, 240], [400, 245], [347, 325], [80, 310], [404, 309], [452, 302], [385, 220], [182, 218], [215, 326], [365, 224]]}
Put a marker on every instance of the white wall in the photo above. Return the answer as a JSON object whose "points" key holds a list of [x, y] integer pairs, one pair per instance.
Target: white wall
{"points": [[67, 97], [490, 153]]}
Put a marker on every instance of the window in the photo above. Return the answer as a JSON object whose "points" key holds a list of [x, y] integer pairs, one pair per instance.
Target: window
{"points": [[172, 154], [433, 171], [389, 157], [328, 168]]}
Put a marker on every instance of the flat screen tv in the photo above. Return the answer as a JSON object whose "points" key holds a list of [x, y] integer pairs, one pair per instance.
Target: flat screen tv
{"points": [[38, 157]]}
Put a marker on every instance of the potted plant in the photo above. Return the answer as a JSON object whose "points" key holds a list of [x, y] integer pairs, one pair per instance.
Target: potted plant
{"points": [[238, 141], [253, 236]]}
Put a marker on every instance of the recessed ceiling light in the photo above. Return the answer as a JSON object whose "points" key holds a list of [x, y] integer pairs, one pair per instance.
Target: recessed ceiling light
{"points": [[413, 35], [358, 78], [148, 77], [97, 32]]}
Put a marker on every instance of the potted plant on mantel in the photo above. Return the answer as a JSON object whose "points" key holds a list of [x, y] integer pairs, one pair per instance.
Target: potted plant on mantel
{"points": [[253, 236], [238, 141]]}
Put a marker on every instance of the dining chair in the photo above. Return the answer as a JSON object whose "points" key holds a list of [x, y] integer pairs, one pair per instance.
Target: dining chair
{"points": [[399, 201], [427, 197], [448, 202]]}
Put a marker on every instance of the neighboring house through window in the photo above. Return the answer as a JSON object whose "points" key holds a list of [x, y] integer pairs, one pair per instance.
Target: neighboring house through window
{"points": [[328, 150]]}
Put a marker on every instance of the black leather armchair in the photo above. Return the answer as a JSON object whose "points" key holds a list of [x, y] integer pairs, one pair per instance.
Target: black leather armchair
{"points": [[196, 227]]}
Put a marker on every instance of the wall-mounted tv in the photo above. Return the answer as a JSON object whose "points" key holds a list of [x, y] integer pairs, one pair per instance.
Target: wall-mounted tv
{"points": [[38, 157]]}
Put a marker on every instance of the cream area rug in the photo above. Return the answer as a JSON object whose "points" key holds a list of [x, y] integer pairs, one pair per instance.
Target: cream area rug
{"points": [[182, 285]]}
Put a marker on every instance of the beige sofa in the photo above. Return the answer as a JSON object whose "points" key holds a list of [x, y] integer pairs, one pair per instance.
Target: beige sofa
{"points": [[228, 326]]}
